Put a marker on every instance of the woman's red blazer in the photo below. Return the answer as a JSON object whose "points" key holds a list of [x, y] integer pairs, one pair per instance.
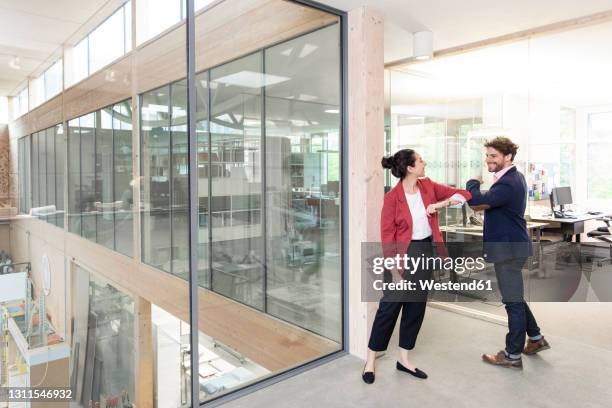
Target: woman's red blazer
{"points": [[396, 221]]}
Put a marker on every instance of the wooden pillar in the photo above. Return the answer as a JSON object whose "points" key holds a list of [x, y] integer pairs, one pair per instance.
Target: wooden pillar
{"points": [[365, 150], [143, 353]]}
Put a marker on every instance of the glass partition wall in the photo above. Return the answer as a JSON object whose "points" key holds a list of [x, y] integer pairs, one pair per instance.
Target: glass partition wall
{"points": [[100, 177], [41, 162], [268, 132], [269, 278], [557, 109]]}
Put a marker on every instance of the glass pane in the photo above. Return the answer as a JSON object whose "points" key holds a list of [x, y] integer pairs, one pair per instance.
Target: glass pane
{"points": [[154, 16], [303, 182], [50, 180], [127, 10], [60, 162], [104, 203], [235, 170], [21, 175], [103, 341], [37, 91], [88, 161], [202, 98], [53, 80], [28, 172], [42, 169], [107, 42], [124, 198], [74, 177], [155, 139], [179, 185], [35, 176], [599, 145], [80, 62]]}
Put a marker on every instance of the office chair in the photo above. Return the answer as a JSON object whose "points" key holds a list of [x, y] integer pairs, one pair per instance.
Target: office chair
{"points": [[602, 234]]}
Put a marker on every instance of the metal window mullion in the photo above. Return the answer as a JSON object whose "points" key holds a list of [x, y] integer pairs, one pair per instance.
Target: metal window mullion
{"points": [[263, 211], [193, 207], [170, 175], [344, 175], [97, 114], [113, 181], [80, 202], [209, 198]]}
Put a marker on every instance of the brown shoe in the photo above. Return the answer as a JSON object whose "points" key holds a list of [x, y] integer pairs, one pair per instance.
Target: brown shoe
{"points": [[500, 359], [532, 347]]}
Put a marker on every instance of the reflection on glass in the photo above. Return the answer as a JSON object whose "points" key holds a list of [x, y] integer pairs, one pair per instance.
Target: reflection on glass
{"points": [[103, 346], [24, 174], [123, 177], [88, 163], [104, 204], [74, 177], [303, 182], [35, 174], [155, 147], [235, 172], [598, 152], [179, 185], [60, 163], [50, 170], [203, 135], [100, 203]]}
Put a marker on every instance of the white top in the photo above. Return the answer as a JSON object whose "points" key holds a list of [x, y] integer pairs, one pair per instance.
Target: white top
{"points": [[420, 221]]}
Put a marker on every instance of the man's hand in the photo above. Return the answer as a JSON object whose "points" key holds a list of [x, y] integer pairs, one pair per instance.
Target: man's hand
{"points": [[480, 207], [478, 179]]}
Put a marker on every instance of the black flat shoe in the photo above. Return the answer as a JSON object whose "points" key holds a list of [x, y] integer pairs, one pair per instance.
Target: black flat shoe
{"points": [[417, 373], [367, 376]]}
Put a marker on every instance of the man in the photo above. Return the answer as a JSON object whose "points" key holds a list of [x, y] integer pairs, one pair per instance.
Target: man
{"points": [[507, 245]]}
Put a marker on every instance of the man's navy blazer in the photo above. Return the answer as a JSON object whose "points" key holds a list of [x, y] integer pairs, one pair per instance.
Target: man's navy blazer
{"points": [[505, 229]]}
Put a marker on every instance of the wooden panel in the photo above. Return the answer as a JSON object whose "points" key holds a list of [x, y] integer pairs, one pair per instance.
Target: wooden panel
{"points": [[55, 374], [144, 353], [110, 85], [366, 129], [270, 342], [161, 61], [46, 115], [227, 32]]}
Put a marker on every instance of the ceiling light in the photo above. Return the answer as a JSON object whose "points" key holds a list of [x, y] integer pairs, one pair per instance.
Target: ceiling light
{"points": [[422, 45], [251, 79], [15, 63], [307, 50], [336, 111]]}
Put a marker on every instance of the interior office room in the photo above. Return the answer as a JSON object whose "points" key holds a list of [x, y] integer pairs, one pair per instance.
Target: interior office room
{"points": [[182, 174]]}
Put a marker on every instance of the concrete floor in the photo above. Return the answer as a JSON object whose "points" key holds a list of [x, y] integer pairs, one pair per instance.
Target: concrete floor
{"points": [[571, 374]]}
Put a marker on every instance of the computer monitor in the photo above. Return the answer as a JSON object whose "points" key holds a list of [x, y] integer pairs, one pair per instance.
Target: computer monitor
{"points": [[560, 196]]}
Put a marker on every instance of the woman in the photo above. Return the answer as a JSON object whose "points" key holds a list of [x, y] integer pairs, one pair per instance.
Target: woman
{"points": [[409, 224]]}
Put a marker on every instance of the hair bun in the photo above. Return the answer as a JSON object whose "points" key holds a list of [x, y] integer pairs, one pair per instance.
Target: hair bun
{"points": [[388, 162]]}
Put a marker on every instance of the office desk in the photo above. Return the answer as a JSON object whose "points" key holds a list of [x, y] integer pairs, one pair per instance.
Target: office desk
{"points": [[534, 228], [568, 226]]}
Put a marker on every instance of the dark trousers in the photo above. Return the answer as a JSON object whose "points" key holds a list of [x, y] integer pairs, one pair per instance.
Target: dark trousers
{"points": [[520, 318], [391, 304]]}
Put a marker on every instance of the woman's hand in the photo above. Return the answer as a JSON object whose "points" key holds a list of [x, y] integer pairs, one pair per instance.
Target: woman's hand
{"points": [[431, 209]]}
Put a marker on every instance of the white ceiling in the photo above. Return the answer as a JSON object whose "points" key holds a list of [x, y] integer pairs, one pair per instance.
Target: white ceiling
{"points": [[570, 69], [34, 31], [457, 22]]}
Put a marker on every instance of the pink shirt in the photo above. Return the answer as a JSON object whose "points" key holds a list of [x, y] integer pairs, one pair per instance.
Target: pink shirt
{"points": [[499, 174]]}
